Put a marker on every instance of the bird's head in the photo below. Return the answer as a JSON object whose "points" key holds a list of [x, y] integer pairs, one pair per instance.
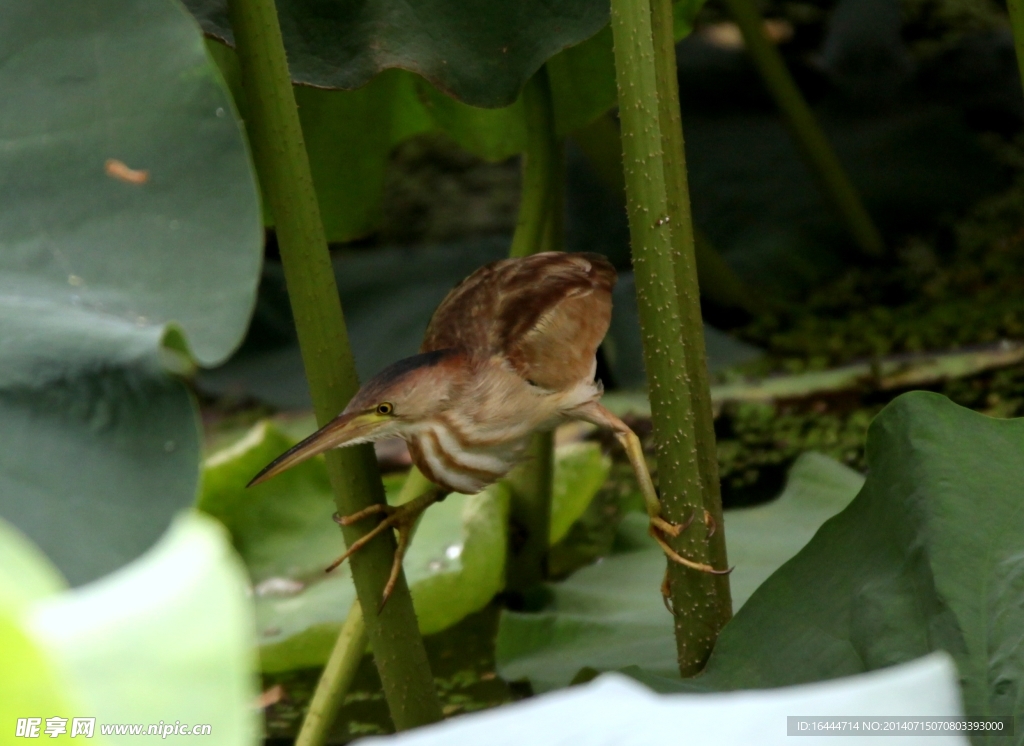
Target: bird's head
{"points": [[391, 403]]}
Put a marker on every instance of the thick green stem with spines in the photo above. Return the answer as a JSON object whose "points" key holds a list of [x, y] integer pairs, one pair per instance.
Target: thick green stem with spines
{"points": [[602, 146], [280, 155], [814, 146], [709, 593], [660, 318], [349, 648], [540, 228]]}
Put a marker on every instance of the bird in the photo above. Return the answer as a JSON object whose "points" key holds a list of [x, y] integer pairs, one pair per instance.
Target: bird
{"points": [[510, 351]]}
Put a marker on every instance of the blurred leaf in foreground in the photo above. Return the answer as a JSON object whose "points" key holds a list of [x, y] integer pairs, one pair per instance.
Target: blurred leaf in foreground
{"points": [[168, 636], [610, 615], [615, 710]]}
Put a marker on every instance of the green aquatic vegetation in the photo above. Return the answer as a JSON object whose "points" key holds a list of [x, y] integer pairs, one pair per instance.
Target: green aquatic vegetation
{"points": [[757, 443], [962, 285]]}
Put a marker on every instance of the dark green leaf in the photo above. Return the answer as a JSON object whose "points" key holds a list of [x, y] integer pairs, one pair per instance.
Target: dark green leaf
{"points": [[482, 51], [129, 223], [930, 555]]}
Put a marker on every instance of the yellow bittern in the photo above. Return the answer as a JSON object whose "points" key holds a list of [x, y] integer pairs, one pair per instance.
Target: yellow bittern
{"points": [[510, 351]]}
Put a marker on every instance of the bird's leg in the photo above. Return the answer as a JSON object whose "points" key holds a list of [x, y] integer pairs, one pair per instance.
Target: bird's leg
{"points": [[401, 519], [660, 528]]}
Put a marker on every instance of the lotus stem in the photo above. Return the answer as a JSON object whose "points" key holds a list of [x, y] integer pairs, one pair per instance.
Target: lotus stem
{"points": [[710, 592], [540, 228], [283, 166], [661, 320], [810, 139]]}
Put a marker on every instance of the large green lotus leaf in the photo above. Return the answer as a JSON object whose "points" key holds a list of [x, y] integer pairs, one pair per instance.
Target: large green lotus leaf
{"points": [[99, 445], [761, 538], [168, 637], [582, 80], [929, 556], [610, 615], [283, 530], [480, 51], [129, 223], [582, 87]]}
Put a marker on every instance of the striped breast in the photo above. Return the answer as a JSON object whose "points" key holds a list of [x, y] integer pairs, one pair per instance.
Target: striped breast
{"points": [[450, 459]]}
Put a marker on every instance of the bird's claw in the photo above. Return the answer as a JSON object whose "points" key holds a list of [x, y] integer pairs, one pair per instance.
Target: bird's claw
{"points": [[709, 524], [672, 529], [401, 519], [666, 592], [660, 530]]}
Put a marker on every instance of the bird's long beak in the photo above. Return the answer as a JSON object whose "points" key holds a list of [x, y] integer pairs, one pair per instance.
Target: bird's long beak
{"points": [[343, 430]]}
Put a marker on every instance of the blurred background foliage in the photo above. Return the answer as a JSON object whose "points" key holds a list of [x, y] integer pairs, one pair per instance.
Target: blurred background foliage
{"points": [[114, 293]]}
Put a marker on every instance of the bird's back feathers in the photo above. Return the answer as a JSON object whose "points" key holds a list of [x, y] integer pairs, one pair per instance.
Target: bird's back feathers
{"points": [[546, 314]]}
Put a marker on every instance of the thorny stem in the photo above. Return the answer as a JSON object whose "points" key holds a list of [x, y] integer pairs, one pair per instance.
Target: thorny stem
{"points": [[349, 648], [280, 155], [602, 146], [810, 139], [657, 300], [705, 598]]}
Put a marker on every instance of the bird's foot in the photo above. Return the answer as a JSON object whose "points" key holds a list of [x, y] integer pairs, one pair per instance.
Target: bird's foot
{"points": [[663, 530], [400, 519]]}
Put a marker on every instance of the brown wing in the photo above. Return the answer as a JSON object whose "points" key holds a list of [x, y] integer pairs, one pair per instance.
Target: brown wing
{"points": [[547, 313]]}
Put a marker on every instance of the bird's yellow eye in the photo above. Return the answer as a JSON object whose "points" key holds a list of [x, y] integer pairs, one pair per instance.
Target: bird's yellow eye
{"points": [[385, 408]]}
